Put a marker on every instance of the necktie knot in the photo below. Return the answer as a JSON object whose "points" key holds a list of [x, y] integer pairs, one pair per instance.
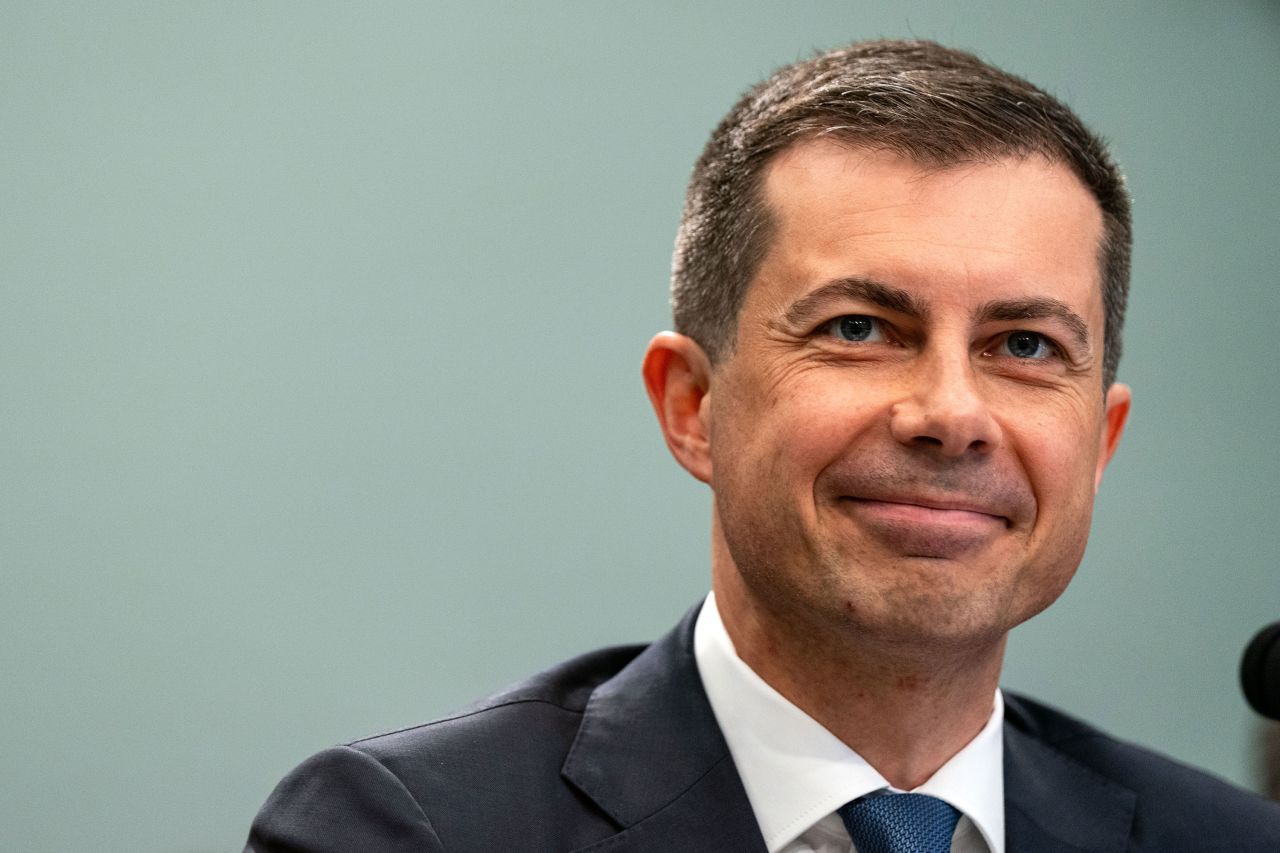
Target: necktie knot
{"points": [[900, 823]]}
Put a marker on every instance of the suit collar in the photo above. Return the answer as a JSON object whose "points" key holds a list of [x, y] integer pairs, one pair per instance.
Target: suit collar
{"points": [[650, 754], [1054, 804]]}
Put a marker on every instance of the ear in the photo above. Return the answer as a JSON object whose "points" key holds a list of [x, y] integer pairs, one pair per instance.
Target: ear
{"points": [[677, 375], [1113, 420]]}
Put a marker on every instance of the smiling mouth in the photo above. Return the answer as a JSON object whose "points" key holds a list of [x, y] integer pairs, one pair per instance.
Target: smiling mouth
{"points": [[932, 512], [936, 529]]}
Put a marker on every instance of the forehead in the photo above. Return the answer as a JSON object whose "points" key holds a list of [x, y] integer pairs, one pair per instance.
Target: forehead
{"points": [[1009, 228]]}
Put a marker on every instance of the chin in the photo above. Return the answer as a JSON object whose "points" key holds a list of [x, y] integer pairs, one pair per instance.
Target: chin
{"points": [[955, 628], [930, 613]]}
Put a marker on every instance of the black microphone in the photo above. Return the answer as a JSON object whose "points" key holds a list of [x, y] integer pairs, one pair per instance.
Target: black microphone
{"points": [[1260, 672]]}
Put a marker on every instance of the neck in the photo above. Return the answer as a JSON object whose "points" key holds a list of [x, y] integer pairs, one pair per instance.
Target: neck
{"points": [[904, 708]]}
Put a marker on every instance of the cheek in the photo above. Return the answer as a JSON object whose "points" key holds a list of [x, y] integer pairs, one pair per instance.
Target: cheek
{"points": [[1059, 457], [774, 439], [1057, 441], [812, 424], [1059, 465]]}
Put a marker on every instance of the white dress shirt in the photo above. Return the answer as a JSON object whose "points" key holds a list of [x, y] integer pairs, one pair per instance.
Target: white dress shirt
{"points": [[796, 773]]}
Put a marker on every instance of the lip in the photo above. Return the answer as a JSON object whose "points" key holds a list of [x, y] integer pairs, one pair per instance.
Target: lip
{"points": [[936, 508], [926, 526]]}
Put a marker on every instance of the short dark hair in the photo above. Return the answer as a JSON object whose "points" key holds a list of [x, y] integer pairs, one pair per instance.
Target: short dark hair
{"points": [[935, 105]]}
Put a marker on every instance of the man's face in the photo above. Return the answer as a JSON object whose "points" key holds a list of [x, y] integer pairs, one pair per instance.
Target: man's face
{"points": [[909, 431]]}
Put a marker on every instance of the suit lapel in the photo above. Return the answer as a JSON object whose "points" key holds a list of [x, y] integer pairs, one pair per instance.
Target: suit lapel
{"points": [[1056, 805], [650, 755]]}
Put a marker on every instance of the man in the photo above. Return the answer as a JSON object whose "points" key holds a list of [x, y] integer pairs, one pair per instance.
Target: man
{"points": [[899, 287]]}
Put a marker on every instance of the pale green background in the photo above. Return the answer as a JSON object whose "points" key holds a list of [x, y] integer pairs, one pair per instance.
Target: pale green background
{"points": [[319, 340]]}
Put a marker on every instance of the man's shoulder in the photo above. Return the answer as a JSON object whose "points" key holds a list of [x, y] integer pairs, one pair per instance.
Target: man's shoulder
{"points": [[1171, 800], [442, 782], [530, 716], [1125, 763]]}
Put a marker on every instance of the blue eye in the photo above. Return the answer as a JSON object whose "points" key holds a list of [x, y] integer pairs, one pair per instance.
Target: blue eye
{"points": [[1022, 344], [856, 328]]}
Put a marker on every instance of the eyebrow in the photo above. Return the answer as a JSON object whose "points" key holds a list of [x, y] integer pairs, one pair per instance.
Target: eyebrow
{"points": [[814, 304], [1037, 308], [811, 305]]}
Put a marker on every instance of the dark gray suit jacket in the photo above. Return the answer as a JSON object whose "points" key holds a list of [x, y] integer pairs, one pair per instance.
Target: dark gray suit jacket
{"points": [[619, 751]]}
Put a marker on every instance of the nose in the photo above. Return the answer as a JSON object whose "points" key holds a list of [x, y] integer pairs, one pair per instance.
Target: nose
{"points": [[944, 409]]}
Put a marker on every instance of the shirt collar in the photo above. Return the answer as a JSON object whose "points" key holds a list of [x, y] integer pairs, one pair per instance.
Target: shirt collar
{"points": [[795, 772]]}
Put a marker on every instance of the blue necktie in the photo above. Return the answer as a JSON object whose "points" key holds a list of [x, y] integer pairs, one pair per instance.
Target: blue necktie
{"points": [[900, 823]]}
